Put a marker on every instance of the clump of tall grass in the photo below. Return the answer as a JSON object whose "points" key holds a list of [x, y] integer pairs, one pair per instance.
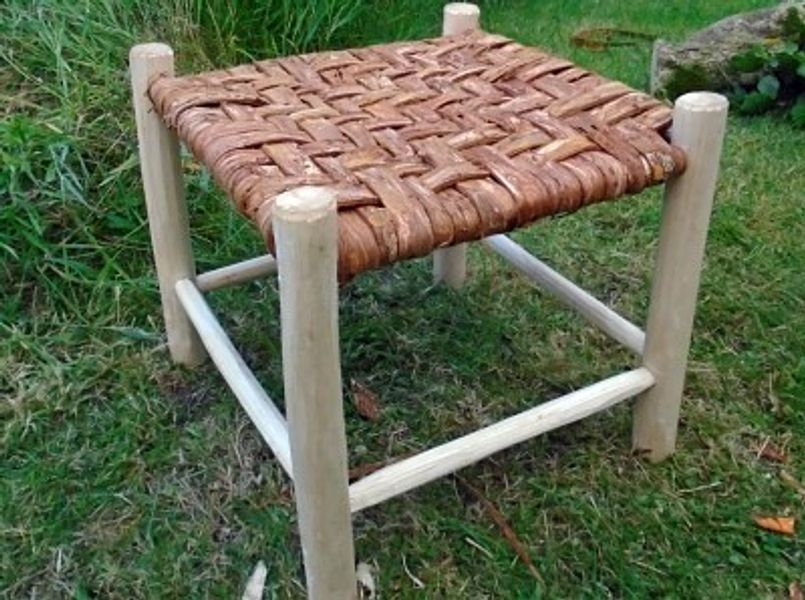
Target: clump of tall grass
{"points": [[244, 28], [69, 197]]}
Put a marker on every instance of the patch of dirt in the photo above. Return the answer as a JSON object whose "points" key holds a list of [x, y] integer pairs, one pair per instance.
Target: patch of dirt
{"points": [[190, 400]]}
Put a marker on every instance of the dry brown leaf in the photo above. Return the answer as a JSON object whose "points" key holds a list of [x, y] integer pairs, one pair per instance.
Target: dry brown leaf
{"points": [[508, 533], [784, 525], [770, 452], [794, 591], [365, 469], [365, 401]]}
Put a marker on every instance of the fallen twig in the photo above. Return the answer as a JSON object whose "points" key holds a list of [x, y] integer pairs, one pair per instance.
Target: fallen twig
{"points": [[503, 525], [792, 482]]}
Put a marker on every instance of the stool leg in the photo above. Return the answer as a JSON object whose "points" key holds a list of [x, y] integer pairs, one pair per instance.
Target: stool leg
{"points": [[305, 230], [164, 200], [698, 128], [450, 264]]}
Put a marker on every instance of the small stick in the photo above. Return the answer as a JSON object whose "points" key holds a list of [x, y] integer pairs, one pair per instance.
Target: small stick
{"points": [[508, 533], [792, 482]]}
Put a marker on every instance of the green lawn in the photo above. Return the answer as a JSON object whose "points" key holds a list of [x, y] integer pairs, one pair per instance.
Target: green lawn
{"points": [[122, 476]]}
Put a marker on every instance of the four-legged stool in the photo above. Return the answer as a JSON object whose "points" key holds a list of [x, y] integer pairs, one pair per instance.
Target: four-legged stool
{"points": [[354, 159]]}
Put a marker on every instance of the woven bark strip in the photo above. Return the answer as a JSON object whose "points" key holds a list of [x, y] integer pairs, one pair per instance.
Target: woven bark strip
{"points": [[427, 143]]}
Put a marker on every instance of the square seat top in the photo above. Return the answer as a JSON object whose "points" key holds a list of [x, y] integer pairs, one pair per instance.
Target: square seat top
{"points": [[426, 144]]}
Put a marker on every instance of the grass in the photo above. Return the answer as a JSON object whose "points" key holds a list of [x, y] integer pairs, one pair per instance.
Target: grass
{"points": [[122, 476]]}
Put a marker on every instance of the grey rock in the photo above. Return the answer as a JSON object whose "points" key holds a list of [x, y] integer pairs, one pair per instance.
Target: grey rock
{"points": [[705, 55]]}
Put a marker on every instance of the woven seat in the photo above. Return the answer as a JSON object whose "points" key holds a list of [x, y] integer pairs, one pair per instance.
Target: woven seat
{"points": [[427, 143]]}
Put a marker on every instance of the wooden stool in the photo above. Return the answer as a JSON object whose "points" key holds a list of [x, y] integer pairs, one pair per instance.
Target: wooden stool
{"points": [[351, 160]]}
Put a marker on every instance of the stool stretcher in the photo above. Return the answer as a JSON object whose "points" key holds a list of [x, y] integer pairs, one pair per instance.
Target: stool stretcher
{"points": [[429, 465], [596, 312], [466, 450], [262, 411], [237, 273]]}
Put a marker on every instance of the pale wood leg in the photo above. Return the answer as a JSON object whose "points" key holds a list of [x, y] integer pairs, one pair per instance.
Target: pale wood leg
{"points": [[450, 264], [306, 240], [164, 200], [460, 17], [698, 128]]}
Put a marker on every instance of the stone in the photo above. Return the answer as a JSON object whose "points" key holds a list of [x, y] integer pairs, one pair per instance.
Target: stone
{"points": [[702, 61]]}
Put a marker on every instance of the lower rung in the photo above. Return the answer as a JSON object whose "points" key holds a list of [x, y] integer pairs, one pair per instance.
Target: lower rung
{"points": [[262, 411], [437, 462], [567, 292], [242, 272]]}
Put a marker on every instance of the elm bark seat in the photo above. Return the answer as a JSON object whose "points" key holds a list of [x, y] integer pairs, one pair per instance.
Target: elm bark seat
{"points": [[427, 144]]}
